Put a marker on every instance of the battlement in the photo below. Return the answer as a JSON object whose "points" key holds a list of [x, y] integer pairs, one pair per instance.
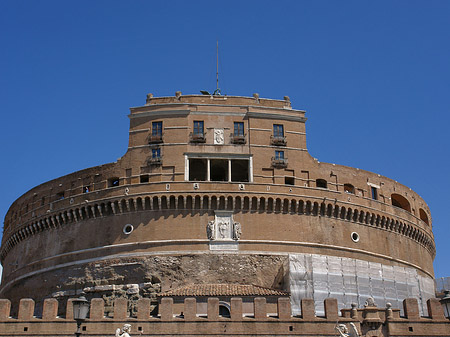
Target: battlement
{"points": [[387, 321]]}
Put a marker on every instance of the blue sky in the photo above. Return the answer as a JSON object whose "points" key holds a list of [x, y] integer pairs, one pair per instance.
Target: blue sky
{"points": [[373, 76]]}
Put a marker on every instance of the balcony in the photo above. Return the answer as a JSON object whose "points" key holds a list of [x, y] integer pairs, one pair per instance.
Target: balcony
{"points": [[237, 139], [278, 140], [279, 162], [154, 161], [155, 139], [197, 137]]}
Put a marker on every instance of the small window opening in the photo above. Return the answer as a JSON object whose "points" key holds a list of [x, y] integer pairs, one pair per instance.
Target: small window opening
{"points": [[144, 178], [423, 216], [25, 328], [139, 328], [127, 229], [42, 201], [401, 202], [86, 189], [374, 193], [113, 182], [349, 188], [410, 329], [197, 169], [83, 328], [289, 180], [224, 311], [239, 170], [219, 170], [156, 153], [60, 195], [321, 183], [291, 328], [355, 237]]}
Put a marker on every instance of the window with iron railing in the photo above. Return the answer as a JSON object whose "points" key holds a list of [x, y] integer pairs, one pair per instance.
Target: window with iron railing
{"points": [[278, 137], [198, 133], [157, 134], [238, 136], [279, 160]]}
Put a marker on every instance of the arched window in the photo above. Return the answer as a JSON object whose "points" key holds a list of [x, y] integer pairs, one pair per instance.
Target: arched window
{"points": [[224, 309], [400, 201], [423, 216], [321, 183], [349, 188]]}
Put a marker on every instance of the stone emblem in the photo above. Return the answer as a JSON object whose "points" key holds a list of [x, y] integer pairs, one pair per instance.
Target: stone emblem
{"points": [[219, 138], [223, 228]]}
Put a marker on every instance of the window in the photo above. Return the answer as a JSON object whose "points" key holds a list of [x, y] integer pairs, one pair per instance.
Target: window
{"points": [[157, 129], [86, 189], [374, 193], [238, 129], [156, 136], [321, 183], [279, 155], [144, 178], [400, 201], [289, 180], [278, 131], [60, 195], [349, 188], [156, 153], [113, 182], [198, 128]]}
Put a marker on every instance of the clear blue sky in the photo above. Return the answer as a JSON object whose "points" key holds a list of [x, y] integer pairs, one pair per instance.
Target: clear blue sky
{"points": [[373, 76]]}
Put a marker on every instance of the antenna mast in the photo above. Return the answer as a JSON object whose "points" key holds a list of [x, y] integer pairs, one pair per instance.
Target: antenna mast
{"points": [[217, 91]]}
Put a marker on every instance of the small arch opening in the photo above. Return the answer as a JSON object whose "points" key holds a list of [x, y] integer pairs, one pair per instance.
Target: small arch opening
{"points": [[423, 216], [224, 310], [349, 188], [401, 202]]}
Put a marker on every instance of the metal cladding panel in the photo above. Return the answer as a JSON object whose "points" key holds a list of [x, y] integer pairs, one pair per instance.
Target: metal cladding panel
{"points": [[353, 281]]}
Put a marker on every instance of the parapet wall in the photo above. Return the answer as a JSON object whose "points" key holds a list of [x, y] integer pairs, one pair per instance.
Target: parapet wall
{"points": [[369, 321]]}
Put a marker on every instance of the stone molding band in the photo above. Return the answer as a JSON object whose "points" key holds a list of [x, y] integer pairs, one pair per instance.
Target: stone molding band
{"points": [[181, 252]]}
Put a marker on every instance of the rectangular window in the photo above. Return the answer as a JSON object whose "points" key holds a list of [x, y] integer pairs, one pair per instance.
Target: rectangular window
{"points": [[278, 131], [156, 128], [238, 129], [279, 155], [374, 193], [156, 153], [198, 128]]}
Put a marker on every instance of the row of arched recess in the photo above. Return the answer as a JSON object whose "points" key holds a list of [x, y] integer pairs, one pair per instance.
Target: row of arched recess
{"points": [[199, 203]]}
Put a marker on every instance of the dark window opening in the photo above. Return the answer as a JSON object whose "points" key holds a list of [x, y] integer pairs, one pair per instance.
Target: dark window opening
{"points": [[321, 183], [224, 311], [291, 328], [144, 178], [423, 216], [239, 170], [374, 193], [42, 201], [86, 189], [83, 328], [197, 169], [289, 180], [25, 328], [349, 188], [410, 329], [113, 182], [139, 328], [401, 202], [219, 170], [60, 195]]}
